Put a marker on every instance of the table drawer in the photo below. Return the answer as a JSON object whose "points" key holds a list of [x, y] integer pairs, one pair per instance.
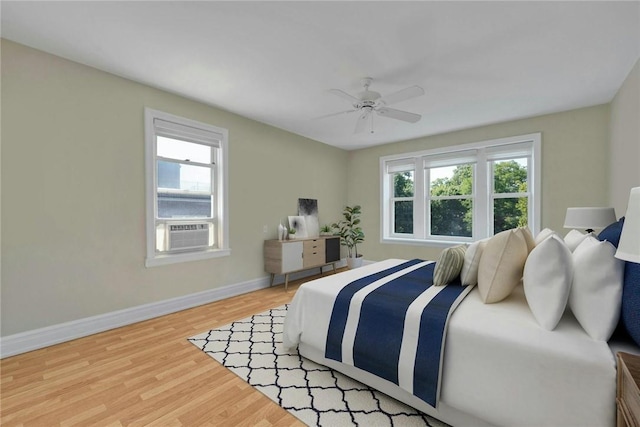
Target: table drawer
{"points": [[313, 252]]}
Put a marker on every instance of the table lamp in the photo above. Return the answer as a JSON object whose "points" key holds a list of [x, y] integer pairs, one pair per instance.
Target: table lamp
{"points": [[589, 218], [629, 246]]}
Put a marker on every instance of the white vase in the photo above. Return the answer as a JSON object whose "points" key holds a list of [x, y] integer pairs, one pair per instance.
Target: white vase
{"points": [[281, 232]]}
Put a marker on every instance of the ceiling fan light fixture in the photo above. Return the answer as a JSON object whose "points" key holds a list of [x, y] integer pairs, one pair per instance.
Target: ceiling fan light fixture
{"points": [[368, 102]]}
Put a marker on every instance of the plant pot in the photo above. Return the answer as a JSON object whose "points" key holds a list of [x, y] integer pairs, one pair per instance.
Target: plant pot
{"points": [[353, 262]]}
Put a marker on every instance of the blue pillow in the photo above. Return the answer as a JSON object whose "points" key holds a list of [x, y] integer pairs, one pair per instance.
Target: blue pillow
{"points": [[630, 313], [630, 310], [612, 233]]}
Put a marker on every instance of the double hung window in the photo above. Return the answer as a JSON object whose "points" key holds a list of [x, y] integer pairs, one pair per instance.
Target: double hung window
{"points": [[186, 189], [461, 193]]}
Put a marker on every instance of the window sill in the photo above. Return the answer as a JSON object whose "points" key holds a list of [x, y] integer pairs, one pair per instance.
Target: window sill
{"points": [[422, 242], [165, 259]]}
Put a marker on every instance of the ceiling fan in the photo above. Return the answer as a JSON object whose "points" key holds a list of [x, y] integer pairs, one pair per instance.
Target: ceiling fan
{"points": [[368, 102]]}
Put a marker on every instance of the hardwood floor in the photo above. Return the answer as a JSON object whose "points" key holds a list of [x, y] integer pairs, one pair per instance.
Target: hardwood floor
{"points": [[141, 374]]}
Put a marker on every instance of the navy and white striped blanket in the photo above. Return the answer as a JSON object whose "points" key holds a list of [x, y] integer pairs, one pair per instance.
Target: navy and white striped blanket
{"points": [[393, 325]]}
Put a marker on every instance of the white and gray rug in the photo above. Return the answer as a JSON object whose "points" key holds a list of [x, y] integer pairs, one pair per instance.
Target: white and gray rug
{"points": [[318, 396]]}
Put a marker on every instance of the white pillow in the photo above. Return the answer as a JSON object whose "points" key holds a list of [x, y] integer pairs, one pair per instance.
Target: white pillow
{"points": [[547, 278], [449, 265], [596, 292], [528, 237], [544, 234], [574, 238], [501, 265], [469, 273]]}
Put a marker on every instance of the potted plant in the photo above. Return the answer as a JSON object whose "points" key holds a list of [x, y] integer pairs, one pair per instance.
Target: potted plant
{"points": [[350, 232], [291, 233], [325, 230]]}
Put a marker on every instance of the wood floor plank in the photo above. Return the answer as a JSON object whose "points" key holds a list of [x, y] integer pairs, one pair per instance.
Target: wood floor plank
{"points": [[142, 374]]}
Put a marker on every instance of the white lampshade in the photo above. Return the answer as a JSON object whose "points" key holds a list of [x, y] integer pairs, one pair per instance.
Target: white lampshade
{"points": [[629, 246], [589, 218]]}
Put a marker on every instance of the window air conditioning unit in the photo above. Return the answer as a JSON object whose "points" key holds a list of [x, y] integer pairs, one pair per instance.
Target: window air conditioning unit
{"points": [[183, 236]]}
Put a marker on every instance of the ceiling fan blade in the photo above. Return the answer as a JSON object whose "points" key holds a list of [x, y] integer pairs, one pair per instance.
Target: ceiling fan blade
{"points": [[345, 95], [335, 114], [398, 114], [361, 124], [403, 95]]}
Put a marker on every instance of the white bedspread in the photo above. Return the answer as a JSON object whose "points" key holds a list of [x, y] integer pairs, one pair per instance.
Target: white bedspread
{"points": [[500, 366]]}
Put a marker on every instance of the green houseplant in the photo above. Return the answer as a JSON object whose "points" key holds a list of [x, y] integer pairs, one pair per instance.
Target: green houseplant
{"points": [[350, 232], [291, 233], [325, 230]]}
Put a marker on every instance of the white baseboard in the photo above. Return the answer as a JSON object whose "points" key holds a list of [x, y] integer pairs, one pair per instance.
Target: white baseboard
{"points": [[62, 332]]}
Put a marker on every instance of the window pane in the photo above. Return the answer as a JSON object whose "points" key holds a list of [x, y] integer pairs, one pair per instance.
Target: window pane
{"points": [[403, 214], [182, 150], [510, 176], [509, 213], [184, 177], [183, 205], [451, 180], [184, 191], [403, 184], [451, 217]]}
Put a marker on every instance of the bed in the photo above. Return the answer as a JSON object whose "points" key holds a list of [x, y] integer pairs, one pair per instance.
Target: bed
{"points": [[498, 366]]}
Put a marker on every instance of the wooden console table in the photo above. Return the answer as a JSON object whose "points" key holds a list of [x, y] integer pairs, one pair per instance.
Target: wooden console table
{"points": [[289, 256], [628, 395]]}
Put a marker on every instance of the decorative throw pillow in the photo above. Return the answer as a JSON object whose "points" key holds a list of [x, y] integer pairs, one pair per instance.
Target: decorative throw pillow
{"points": [[630, 312], [449, 265], [543, 235], [631, 300], [469, 273], [501, 265], [612, 232], [574, 238], [547, 278], [528, 237], [596, 292]]}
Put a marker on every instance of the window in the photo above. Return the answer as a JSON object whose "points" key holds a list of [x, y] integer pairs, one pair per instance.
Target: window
{"points": [[186, 167], [462, 193]]}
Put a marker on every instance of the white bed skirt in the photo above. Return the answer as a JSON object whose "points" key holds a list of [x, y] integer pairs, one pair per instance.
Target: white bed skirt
{"points": [[444, 413]]}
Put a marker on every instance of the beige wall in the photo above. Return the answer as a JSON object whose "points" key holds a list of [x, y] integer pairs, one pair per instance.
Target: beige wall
{"points": [[575, 170], [625, 141], [73, 209]]}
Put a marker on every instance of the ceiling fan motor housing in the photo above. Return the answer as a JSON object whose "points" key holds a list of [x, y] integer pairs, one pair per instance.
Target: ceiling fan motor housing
{"points": [[368, 97]]}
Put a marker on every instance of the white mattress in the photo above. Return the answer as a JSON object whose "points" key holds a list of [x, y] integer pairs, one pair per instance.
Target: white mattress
{"points": [[500, 367]]}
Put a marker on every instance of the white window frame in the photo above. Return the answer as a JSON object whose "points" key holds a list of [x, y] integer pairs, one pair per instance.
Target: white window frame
{"points": [[219, 192], [482, 155]]}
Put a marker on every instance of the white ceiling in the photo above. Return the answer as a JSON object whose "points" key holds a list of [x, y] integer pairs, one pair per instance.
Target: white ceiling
{"points": [[479, 62]]}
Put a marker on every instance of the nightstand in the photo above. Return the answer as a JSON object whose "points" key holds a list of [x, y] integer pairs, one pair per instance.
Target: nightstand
{"points": [[628, 395]]}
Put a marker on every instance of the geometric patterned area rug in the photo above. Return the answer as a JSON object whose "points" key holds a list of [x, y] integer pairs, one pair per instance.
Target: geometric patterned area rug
{"points": [[315, 394]]}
